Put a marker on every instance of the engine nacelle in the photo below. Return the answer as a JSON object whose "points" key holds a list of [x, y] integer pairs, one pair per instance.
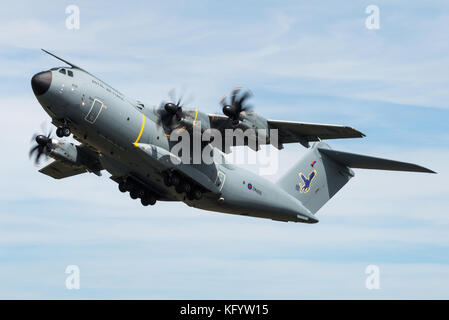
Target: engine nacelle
{"points": [[255, 122], [65, 151]]}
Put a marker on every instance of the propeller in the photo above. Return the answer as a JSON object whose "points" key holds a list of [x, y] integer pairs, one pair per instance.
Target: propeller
{"points": [[43, 146], [237, 105], [170, 113]]}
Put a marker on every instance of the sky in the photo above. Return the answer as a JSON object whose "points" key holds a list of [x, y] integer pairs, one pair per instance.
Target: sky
{"points": [[303, 62]]}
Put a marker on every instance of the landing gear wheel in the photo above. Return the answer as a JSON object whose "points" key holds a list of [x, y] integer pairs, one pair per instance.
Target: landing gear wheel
{"points": [[59, 132], [175, 180], [167, 180], [66, 131], [148, 200], [144, 202], [197, 194], [152, 200], [128, 185], [133, 194], [186, 187], [122, 186], [141, 194], [179, 188], [63, 131]]}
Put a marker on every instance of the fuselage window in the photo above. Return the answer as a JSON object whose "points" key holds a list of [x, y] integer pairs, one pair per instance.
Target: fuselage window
{"points": [[70, 73], [62, 71], [94, 112]]}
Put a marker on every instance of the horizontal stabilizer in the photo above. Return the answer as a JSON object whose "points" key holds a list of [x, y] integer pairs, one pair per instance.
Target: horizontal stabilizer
{"points": [[365, 162], [322, 172]]}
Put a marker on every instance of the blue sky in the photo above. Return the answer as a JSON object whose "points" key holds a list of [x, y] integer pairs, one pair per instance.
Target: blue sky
{"points": [[304, 62]]}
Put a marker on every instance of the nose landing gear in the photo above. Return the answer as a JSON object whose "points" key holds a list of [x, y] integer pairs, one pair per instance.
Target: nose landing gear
{"points": [[63, 131]]}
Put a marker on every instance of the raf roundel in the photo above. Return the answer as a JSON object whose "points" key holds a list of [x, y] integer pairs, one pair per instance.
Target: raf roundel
{"points": [[250, 186]]}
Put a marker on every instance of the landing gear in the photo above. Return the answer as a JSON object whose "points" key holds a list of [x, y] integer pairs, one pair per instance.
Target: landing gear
{"points": [[186, 187], [122, 186], [137, 190], [128, 185], [175, 180], [63, 131], [179, 188], [192, 191], [148, 199], [141, 193], [197, 194], [134, 194], [183, 186], [167, 179]]}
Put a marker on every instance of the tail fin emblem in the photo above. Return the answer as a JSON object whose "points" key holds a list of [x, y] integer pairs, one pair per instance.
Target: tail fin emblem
{"points": [[304, 188]]}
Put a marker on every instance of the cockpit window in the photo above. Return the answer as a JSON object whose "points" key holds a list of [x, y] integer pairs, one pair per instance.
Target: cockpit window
{"points": [[70, 73], [62, 71]]}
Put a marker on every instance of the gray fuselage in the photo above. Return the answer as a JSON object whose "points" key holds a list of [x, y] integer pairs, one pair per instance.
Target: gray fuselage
{"points": [[120, 124]]}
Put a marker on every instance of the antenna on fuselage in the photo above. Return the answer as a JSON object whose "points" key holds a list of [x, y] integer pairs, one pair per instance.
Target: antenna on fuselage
{"points": [[65, 61]]}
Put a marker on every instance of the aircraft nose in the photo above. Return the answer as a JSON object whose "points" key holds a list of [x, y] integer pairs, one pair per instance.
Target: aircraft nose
{"points": [[41, 82]]}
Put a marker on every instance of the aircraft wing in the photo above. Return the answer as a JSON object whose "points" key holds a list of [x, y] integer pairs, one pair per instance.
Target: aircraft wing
{"points": [[302, 132], [59, 169], [291, 131], [87, 160]]}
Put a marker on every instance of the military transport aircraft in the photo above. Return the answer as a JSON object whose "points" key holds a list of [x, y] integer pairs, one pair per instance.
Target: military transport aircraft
{"points": [[131, 141]]}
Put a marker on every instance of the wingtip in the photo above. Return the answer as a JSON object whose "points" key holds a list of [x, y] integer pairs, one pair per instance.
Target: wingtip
{"points": [[358, 133], [426, 170], [361, 134]]}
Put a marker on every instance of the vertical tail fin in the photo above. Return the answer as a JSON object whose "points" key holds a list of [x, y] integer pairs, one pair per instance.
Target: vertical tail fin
{"points": [[322, 172], [315, 178]]}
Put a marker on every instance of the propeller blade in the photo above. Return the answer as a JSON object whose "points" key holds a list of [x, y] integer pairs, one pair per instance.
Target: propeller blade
{"points": [[43, 146], [234, 95], [32, 150], [39, 154], [245, 96], [172, 94], [223, 100]]}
